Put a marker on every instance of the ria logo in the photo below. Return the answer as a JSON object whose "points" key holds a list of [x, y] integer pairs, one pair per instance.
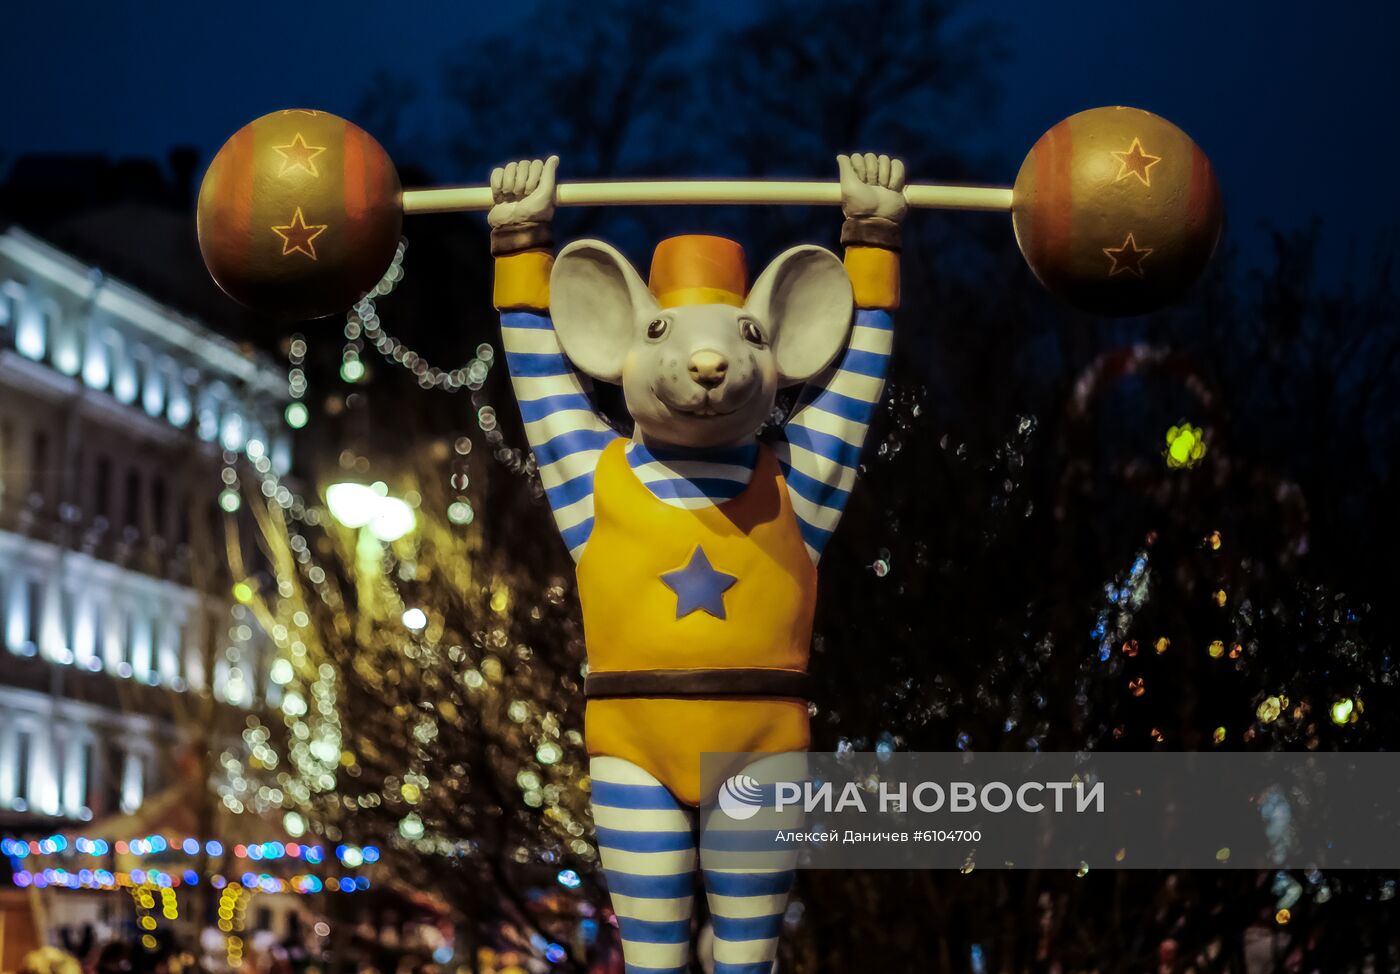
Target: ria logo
{"points": [[740, 797]]}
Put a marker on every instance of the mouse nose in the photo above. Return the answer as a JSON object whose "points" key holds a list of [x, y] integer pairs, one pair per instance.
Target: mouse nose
{"points": [[707, 367]]}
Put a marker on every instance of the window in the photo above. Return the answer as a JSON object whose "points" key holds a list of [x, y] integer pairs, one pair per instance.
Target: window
{"points": [[73, 785], [12, 598], [109, 637], [68, 624], [31, 332], [97, 358], [158, 504], [133, 782], [87, 792], [110, 793], [182, 524], [129, 637], [7, 458], [232, 431], [34, 625], [138, 644], [11, 300], [102, 488], [125, 382], [133, 498], [178, 408], [152, 387], [66, 337], [167, 648], [24, 747], [39, 467], [210, 406], [192, 658]]}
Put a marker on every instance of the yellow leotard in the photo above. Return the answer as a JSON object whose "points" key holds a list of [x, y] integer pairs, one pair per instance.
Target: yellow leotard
{"points": [[630, 618]]}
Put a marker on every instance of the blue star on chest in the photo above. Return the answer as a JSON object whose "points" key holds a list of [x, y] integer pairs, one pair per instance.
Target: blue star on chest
{"points": [[698, 586]]}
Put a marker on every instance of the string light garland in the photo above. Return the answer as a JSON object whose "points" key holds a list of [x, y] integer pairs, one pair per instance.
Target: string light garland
{"points": [[296, 413], [233, 904], [143, 881], [302, 883], [362, 324], [349, 855], [144, 901]]}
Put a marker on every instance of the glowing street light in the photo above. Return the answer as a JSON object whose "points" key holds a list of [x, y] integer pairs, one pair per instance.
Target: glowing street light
{"points": [[358, 506], [379, 519]]}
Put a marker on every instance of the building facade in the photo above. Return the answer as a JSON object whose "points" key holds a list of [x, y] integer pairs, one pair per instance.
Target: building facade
{"points": [[118, 417]]}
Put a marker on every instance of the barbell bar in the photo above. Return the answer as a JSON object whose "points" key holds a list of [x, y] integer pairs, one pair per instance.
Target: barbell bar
{"points": [[724, 192]]}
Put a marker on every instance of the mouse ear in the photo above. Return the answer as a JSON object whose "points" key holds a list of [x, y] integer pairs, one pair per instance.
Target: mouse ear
{"points": [[804, 299], [596, 298]]}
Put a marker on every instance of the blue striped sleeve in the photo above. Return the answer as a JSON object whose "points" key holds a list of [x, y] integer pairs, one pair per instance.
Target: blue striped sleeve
{"points": [[811, 489], [578, 534], [526, 319], [561, 422], [865, 363], [534, 410], [570, 491], [816, 537], [567, 444], [845, 407], [875, 318], [831, 447], [828, 428], [535, 364]]}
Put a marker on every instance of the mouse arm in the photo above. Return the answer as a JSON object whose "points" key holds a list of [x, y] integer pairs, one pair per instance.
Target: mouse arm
{"points": [[824, 435], [565, 431]]}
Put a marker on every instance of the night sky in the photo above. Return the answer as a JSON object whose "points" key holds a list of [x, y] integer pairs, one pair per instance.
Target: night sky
{"points": [[1294, 102]]}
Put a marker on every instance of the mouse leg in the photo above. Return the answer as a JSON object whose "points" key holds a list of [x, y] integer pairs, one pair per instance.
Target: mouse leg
{"points": [[646, 839], [747, 874]]}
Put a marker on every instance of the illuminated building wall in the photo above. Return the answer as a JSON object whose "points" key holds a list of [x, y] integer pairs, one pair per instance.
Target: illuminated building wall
{"points": [[116, 416]]}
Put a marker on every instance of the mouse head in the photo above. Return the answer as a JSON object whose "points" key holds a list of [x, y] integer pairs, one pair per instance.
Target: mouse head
{"points": [[699, 363]]}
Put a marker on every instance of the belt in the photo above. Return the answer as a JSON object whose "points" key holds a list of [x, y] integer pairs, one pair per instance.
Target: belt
{"points": [[729, 681]]}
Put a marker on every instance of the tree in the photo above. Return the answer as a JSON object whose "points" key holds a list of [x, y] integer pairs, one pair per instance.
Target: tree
{"points": [[451, 737]]}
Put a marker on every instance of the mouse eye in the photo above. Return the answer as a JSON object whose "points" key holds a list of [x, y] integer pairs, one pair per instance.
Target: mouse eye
{"points": [[748, 330], [657, 328]]}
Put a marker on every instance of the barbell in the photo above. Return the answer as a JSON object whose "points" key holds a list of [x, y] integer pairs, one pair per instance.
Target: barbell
{"points": [[1116, 210]]}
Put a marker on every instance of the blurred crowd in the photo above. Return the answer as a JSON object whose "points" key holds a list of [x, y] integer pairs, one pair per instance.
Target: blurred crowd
{"points": [[264, 954]]}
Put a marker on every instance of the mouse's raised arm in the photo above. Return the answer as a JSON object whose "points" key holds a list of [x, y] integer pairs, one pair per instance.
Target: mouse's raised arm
{"points": [[826, 432], [565, 432]]}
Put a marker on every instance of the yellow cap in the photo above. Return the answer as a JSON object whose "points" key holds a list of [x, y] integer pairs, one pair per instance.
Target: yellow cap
{"points": [[698, 269]]}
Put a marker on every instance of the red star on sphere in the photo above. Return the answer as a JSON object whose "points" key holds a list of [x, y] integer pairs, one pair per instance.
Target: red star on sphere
{"points": [[297, 236], [1136, 162], [1128, 258], [297, 154]]}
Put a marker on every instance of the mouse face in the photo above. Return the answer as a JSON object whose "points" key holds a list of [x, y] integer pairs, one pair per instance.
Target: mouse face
{"points": [[701, 375]]}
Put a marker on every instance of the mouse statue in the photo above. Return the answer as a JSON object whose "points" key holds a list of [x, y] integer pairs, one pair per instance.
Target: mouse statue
{"points": [[696, 541]]}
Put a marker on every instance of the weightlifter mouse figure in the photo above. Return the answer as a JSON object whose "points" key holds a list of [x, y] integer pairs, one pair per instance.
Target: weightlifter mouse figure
{"points": [[696, 541]]}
